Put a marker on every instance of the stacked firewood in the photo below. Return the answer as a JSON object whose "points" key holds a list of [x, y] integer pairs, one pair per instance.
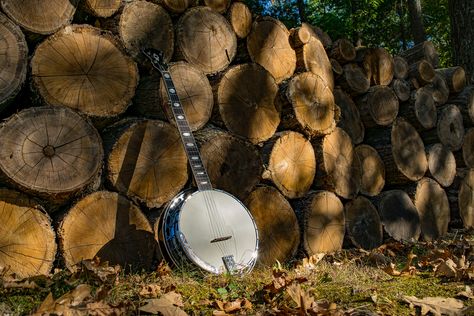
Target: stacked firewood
{"points": [[323, 141]]}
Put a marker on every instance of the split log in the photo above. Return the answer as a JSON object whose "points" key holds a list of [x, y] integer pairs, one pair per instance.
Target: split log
{"points": [[52, 152], [176, 6], [40, 16], [233, 165], [103, 8], [399, 216], [27, 239], [421, 110], [339, 167], [379, 106], [248, 109], [465, 101], [424, 50], [433, 208], [108, 226], [278, 229], [290, 163], [220, 6], [194, 91], [147, 99], [210, 45], [353, 80], [145, 160], [455, 78], [268, 45], [400, 67], [350, 120], [14, 61], [83, 68], [323, 228], [312, 103], [363, 223], [441, 164], [372, 170], [138, 27], [422, 71], [343, 51], [439, 88], [466, 200], [401, 88], [468, 148], [378, 66], [240, 18]]}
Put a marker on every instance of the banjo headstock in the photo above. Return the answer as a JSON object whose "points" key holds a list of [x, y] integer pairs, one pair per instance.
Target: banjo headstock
{"points": [[157, 58]]}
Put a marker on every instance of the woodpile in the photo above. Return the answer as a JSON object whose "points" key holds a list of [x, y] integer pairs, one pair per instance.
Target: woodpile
{"points": [[327, 144]]}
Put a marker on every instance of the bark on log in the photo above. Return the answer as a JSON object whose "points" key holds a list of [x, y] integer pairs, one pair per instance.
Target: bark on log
{"points": [[372, 170], [220, 6], [108, 226], [424, 50], [240, 18], [439, 88], [422, 71], [350, 120], [278, 229], [465, 101], [363, 223], [14, 61], [40, 16], [27, 239], [247, 109], [210, 46], [441, 164], [468, 148], [353, 80], [145, 160], [466, 200], [268, 45], [421, 110], [138, 27], [290, 163], [52, 152], [455, 78], [399, 216], [343, 51], [379, 106], [401, 88], [378, 66], [400, 67], [103, 8], [82, 68]]}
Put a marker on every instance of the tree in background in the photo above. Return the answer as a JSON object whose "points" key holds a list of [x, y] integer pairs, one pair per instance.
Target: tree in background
{"points": [[416, 21]]}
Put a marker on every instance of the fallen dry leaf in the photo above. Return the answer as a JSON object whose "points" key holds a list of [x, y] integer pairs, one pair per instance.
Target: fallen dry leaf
{"points": [[66, 303], [303, 299], [169, 305], [151, 290], [446, 268], [467, 293], [103, 309], [437, 305], [390, 269]]}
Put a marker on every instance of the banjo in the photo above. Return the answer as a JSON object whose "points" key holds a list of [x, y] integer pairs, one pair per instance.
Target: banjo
{"points": [[203, 226]]}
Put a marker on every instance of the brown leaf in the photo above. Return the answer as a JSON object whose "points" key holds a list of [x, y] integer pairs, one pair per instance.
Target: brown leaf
{"points": [[390, 269], [103, 309], [302, 298], [437, 305], [163, 268], [168, 305], [230, 307], [467, 293], [446, 269], [65, 303], [20, 285], [151, 290], [47, 305]]}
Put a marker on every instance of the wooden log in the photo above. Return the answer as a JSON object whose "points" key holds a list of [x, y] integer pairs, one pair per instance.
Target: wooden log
{"points": [[379, 106], [336, 68], [278, 229], [455, 78], [421, 110], [320, 34], [233, 165], [378, 66], [422, 71], [439, 88], [220, 6], [52, 152], [466, 200], [339, 167], [240, 18], [400, 67], [145, 160], [14, 61], [441, 164], [290, 163], [343, 51], [363, 224], [468, 148], [301, 35], [353, 80], [138, 27], [83, 68], [465, 101], [401, 88], [312, 103], [27, 239], [268, 45], [211, 45], [108, 226], [450, 127], [194, 91], [350, 120], [399, 216], [176, 6], [147, 99], [248, 109], [433, 208], [372, 170], [323, 227], [40, 17], [424, 50], [103, 8]]}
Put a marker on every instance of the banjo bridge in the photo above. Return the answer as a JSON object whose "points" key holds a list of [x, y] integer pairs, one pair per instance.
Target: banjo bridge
{"points": [[220, 239]]}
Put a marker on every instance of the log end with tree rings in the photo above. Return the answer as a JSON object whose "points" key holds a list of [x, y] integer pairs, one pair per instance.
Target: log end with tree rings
{"points": [[40, 16], [291, 164], [313, 103], [220, 6], [240, 17], [194, 91], [455, 78], [400, 67], [468, 148], [432, 204], [103, 8], [268, 45], [83, 68], [147, 99], [145, 160], [324, 223], [408, 150], [27, 238], [343, 51], [450, 127], [353, 80], [372, 170], [247, 109], [14, 61], [423, 72], [425, 108], [176, 6], [138, 27], [378, 65], [382, 104], [108, 226], [300, 35], [439, 89], [466, 200], [401, 88], [315, 60], [350, 120], [278, 229], [363, 224], [441, 164], [210, 46], [52, 152], [399, 216]]}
